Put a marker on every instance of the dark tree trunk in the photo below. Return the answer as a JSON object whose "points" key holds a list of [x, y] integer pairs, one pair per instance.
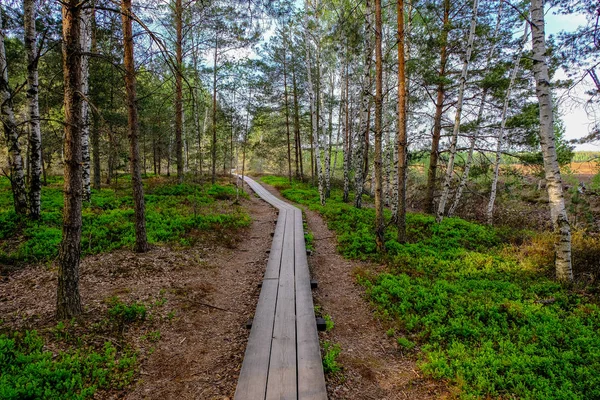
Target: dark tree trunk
{"points": [[68, 301], [141, 241], [179, 90]]}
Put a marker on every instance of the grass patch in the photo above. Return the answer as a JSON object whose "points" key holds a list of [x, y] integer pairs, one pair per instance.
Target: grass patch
{"points": [[173, 211], [481, 309]]}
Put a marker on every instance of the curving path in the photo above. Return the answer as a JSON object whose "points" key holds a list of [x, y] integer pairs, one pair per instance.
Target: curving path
{"points": [[283, 359]]}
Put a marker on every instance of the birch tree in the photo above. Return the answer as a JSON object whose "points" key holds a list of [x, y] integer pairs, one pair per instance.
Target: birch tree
{"points": [[457, 118], [401, 140], [499, 140], [379, 221], [86, 45], [35, 136], [556, 198], [7, 115]]}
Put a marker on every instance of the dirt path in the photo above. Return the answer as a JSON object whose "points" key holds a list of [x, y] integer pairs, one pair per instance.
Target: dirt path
{"points": [[373, 366], [199, 300]]}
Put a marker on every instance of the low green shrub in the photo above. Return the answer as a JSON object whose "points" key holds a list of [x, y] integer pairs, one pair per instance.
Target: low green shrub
{"points": [[30, 372], [331, 352]]}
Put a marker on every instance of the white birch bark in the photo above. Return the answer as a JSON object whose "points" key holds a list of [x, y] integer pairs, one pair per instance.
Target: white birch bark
{"points": [[86, 46], [558, 211], [346, 130], [513, 77], [362, 133], [35, 137], [459, 106], [473, 139], [7, 116]]}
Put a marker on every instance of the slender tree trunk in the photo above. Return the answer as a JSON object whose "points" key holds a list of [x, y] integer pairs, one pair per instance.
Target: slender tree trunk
{"points": [[362, 136], [347, 144], [313, 103], [141, 241], [287, 114], [68, 301], [179, 89], [402, 142], [35, 138], [327, 150], [379, 220], [459, 106], [473, 139], [558, 211], [213, 148], [297, 122], [500, 139], [7, 115], [86, 45], [439, 109]]}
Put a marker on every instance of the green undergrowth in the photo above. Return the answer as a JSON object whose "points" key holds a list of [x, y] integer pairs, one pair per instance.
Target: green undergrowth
{"points": [[173, 211], [485, 317]]}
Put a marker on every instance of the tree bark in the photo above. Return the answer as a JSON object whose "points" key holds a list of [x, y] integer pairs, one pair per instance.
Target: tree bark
{"points": [[179, 89], [68, 301], [313, 105], [500, 139], [402, 167], [7, 115], [213, 147], [86, 45], [379, 219], [141, 241], [457, 118], [558, 211], [362, 136], [347, 144], [35, 137], [287, 113], [439, 109], [297, 123]]}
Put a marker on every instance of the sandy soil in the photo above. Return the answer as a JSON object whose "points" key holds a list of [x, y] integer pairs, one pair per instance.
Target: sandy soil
{"points": [[373, 366]]}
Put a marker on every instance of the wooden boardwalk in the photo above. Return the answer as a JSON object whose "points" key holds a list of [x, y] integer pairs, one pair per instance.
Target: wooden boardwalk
{"points": [[283, 359]]}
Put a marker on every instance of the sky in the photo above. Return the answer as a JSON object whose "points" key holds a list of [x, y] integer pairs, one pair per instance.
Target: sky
{"points": [[577, 121]]}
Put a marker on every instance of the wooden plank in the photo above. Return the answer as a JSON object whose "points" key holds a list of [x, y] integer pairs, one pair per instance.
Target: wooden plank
{"points": [[274, 263], [311, 380], [281, 382], [252, 383]]}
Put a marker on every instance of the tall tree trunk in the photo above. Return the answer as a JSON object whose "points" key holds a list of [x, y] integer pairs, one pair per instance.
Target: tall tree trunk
{"points": [[86, 45], [213, 147], [297, 122], [141, 241], [179, 89], [362, 136], [347, 144], [7, 115], [439, 110], [313, 103], [35, 136], [500, 139], [459, 106], [287, 113], [402, 142], [328, 135], [379, 220], [558, 211], [68, 301]]}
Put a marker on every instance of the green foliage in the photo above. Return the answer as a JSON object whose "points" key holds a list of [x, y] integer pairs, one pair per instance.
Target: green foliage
{"points": [[487, 321], [328, 322], [30, 372], [172, 212], [331, 351], [122, 314]]}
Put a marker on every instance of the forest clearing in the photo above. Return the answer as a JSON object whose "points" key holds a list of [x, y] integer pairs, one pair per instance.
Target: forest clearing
{"points": [[299, 199]]}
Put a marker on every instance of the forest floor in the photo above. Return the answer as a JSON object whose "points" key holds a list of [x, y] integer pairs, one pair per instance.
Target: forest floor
{"points": [[372, 365], [198, 300]]}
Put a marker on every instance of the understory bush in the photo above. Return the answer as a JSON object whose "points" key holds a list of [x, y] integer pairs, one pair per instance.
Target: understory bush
{"points": [[172, 212], [476, 301], [29, 371]]}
